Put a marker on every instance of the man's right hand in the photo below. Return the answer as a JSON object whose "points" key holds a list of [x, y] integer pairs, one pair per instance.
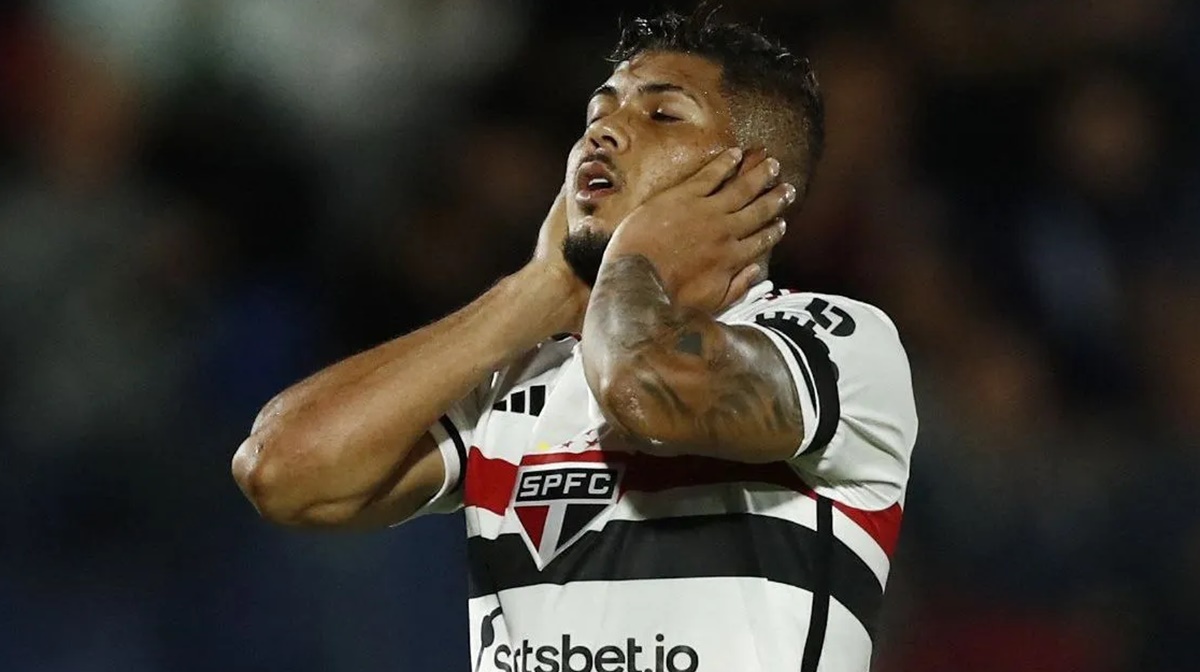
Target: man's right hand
{"points": [[553, 232], [548, 262], [350, 446]]}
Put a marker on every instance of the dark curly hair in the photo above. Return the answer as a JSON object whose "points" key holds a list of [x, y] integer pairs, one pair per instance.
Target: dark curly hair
{"points": [[772, 93]]}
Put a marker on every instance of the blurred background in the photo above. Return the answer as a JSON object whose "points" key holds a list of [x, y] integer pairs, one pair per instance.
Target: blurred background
{"points": [[202, 201]]}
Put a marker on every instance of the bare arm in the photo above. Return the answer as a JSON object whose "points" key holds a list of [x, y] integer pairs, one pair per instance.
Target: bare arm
{"points": [[679, 381], [348, 446], [663, 370]]}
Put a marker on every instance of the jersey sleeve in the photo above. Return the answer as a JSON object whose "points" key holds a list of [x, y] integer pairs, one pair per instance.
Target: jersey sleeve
{"points": [[454, 433], [855, 389]]}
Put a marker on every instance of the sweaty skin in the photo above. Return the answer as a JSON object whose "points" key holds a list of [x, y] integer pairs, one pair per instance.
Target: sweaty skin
{"points": [[660, 118], [690, 227], [349, 447]]}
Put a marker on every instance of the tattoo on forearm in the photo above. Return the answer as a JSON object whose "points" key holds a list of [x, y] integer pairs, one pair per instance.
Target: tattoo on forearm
{"points": [[652, 383], [747, 393], [631, 304], [690, 342]]}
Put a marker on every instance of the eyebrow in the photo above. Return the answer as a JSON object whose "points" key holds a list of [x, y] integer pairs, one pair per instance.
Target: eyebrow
{"points": [[646, 89]]}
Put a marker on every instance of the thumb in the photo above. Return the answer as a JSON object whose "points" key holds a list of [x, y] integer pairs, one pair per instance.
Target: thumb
{"points": [[740, 285]]}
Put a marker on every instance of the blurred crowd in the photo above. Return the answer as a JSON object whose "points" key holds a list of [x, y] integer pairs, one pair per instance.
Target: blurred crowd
{"points": [[202, 201]]}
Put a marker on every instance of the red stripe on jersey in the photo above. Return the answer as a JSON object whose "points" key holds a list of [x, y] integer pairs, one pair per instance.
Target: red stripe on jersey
{"points": [[651, 473], [490, 481], [552, 458], [883, 525]]}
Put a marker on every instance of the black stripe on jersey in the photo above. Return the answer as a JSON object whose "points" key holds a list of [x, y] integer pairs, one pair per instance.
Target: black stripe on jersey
{"points": [[723, 545], [819, 619], [516, 402], [459, 447], [537, 399], [808, 381], [823, 383]]}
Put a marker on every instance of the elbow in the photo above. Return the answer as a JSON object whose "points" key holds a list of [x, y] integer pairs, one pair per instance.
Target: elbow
{"points": [[636, 401], [257, 467], [619, 399], [629, 409], [611, 379], [261, 480], [270, 480]]}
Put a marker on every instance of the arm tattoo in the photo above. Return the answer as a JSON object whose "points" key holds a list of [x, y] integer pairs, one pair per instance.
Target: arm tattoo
{"points": [[690, 342], [680, 377]]}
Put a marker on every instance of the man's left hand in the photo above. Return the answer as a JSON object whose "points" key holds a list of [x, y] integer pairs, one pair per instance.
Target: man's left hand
{"points": [[705, 235]]}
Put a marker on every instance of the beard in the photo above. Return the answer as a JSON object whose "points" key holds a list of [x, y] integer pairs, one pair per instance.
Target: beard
{"points": [[584, 251]]}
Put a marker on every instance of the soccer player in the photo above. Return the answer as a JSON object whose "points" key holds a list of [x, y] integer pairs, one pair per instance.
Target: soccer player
{"points": [[665, 464]]}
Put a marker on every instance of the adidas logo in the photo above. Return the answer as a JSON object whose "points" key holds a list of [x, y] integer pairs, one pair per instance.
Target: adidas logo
{"points": [[529, 401]]}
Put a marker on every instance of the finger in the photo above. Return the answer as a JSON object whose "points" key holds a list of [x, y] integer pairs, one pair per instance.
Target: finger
{"points": [[760, 242], [741, 190], [764, 209], [752, 158], [709, 178], [740, 285]]}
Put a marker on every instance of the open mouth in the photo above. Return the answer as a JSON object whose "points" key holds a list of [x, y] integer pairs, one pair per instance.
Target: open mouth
{"points": [[593, 181]]}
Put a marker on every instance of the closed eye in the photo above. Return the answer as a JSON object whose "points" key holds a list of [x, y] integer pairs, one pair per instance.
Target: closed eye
{"points": [[660, 116]]}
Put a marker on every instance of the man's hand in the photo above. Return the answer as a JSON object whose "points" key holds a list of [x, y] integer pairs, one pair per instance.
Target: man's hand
{"points": [[553, 232], [350, 446], [664, 371], [548, 262], [705, 235]]}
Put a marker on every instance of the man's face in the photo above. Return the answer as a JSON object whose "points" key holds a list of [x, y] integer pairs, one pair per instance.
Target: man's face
{"points": [[655, 122]]}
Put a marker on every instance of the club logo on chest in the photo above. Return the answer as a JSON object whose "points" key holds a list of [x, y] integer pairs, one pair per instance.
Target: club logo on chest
{"points": [[556, 502]]}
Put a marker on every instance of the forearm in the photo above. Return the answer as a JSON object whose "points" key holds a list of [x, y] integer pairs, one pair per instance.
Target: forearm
{"points": [[677, 380], [632, 323], [629, 311], [342, 434]]}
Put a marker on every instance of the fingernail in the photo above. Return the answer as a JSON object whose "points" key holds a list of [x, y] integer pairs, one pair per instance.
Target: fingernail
{"points": [[773, 165], [790, 193], [736, 153], [782, 226]]}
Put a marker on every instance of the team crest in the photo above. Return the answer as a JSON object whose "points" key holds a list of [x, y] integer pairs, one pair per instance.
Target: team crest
{"points": [[556, 502]]}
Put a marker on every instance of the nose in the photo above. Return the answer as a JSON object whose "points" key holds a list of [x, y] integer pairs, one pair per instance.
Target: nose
{"points": [[607, 135]]}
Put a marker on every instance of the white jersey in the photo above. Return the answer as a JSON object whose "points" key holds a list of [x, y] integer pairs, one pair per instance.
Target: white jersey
{"points": [[588, 556]]}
